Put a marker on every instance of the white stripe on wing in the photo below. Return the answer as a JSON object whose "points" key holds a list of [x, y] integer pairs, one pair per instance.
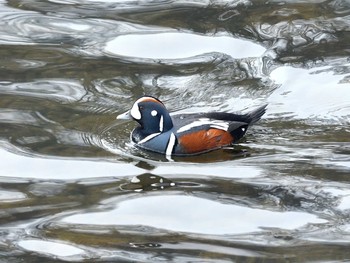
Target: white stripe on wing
{"points": [[217, 124]]}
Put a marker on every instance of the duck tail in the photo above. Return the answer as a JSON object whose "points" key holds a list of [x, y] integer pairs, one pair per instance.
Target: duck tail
{"points": [[256, 114]]}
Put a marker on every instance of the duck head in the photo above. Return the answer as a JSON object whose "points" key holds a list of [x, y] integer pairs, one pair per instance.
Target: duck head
{"points": [[151, 114]]}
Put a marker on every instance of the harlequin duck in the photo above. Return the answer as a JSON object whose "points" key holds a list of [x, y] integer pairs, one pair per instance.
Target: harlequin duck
{"points": [[185, 134]]}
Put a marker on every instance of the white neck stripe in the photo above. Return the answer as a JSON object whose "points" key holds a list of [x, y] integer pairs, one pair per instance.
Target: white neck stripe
{"points": [[161, 123], [149, 137]]}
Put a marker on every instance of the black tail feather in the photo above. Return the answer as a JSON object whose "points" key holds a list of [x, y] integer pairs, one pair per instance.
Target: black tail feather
{"points": [[255, 115], [249, 118]]}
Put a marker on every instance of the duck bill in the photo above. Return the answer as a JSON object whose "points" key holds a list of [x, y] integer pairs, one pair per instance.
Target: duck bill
{"points": [[124, 116]]}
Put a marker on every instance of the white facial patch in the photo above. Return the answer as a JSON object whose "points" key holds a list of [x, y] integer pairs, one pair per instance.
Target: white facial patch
{"points": [[135, 111], [154, 113], [221, 125]]}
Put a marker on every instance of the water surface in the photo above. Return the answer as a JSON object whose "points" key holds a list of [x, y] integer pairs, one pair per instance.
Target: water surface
{"points": [[73, 187]]}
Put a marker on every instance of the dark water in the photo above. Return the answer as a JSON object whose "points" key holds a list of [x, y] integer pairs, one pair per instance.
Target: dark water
{"points": [[73, 188]]}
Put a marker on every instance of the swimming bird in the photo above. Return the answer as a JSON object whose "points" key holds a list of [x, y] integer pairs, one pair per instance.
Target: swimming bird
{"points": [[185, 134]]}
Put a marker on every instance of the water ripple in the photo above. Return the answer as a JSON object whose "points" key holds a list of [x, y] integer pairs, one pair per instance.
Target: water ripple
{"points": [[71, 180], [31, 28], [65, 91]]}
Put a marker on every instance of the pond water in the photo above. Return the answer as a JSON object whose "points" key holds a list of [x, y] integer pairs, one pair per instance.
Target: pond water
{"points": [[73, 187]]}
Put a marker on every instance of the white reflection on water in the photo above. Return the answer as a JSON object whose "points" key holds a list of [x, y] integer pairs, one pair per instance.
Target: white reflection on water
{"points": [[180, 45], [237, 171], [61, 168], [68, 26], [315, 93], [194, 215], [50, 247], [11, 196]]}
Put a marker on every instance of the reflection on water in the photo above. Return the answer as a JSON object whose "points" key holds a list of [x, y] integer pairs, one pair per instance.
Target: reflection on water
{"points": [[166, 212], [73, 187], [175, 46], [50, 248], [300, 91]]}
